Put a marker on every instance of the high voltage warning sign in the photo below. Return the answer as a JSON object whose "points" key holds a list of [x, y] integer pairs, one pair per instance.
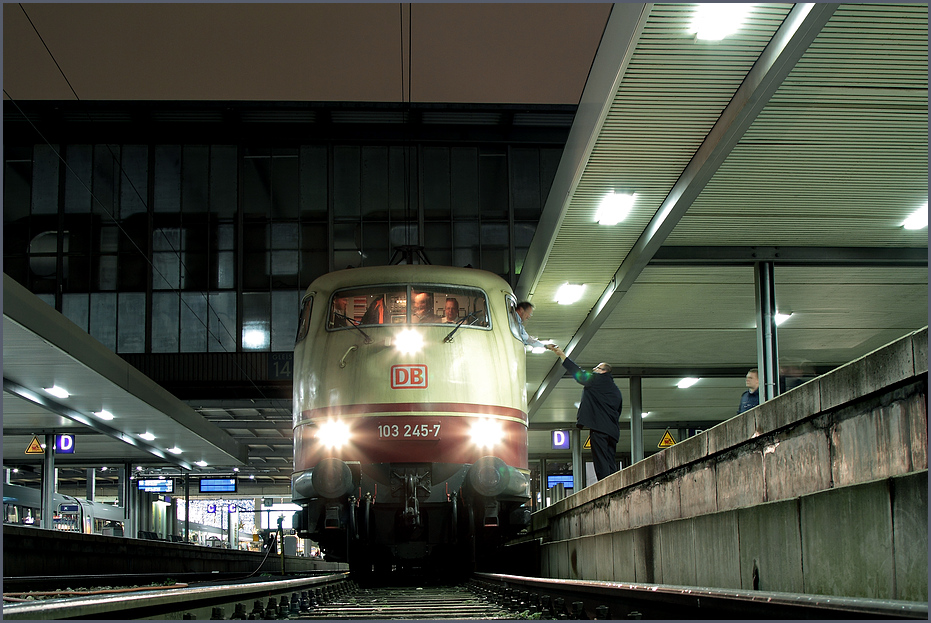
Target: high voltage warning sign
{"points": [[588, 443], [667, 440], [35, 447]]}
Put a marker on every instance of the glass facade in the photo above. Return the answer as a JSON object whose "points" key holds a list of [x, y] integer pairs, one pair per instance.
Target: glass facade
{"points": [[175, 248]]}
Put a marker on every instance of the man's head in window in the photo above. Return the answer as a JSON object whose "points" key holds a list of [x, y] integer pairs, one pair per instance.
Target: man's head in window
{"points": [[423, 308], [451, 311]]}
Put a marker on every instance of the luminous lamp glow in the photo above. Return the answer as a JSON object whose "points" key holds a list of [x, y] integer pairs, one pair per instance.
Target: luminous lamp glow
{"points": [[333, 433], [686, 382], [569, 293], [918, 218], [408, 341], [713, 21], [486, 433], [615, 207]]}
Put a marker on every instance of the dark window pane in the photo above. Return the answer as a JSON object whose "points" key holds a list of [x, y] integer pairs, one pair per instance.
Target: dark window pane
{"points": [[464, 182], [525, 182], [194, 179], [285, 195], [193, 337], [374, 182], [223, 176], [493, 185], [167, 178], [45, 180], [165, 322], [402, 183], [106, 174], [375, 244], [255, 271], [549, 162], [134, 180], [103, 319], [17, 185], [256, 183], [313, 171], [436, 189], [438, 243], [346, 182], [131, 334], [78, 179]]}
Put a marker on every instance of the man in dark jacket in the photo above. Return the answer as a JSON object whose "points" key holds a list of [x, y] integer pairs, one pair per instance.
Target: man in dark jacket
{"points": [[599, 411], [751, 397]]}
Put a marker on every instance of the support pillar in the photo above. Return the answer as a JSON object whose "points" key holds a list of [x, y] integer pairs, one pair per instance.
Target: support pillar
{"points": [[578, 467], [636, 420], [91, 480], [48, 483], [767, 350]]}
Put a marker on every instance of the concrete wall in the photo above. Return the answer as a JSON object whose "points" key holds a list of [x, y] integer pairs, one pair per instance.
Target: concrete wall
{"points": [[822, 490]]}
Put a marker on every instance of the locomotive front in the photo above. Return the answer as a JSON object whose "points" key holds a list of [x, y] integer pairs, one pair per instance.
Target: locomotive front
{"points": [[410, 417]]}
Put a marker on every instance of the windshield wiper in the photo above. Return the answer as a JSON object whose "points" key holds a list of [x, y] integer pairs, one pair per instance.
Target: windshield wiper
{"points": [[355, 325], [449, 338]]}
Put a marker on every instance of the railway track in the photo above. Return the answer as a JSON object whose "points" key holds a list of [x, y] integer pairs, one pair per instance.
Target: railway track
{"points": [[485, 596]]}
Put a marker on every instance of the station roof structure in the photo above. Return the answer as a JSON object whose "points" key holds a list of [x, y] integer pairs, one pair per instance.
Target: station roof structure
{"points": [[800, 139]]}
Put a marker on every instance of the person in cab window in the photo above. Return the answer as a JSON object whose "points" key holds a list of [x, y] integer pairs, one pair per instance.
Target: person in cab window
{"points": [[423, 308], [451, 311], [339, 316], [524, 312]]}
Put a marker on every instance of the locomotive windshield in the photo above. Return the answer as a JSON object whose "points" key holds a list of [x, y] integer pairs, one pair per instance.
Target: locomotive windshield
{"points": [[415, 304]]}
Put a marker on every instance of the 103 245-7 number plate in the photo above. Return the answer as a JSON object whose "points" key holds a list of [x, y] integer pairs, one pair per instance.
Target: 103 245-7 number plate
{"points": [[409, 429]]}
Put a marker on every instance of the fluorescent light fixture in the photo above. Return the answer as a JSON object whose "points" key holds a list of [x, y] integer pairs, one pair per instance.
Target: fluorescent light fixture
{"points": [[918, 218], [713, 22], [147, 436], [644, 414], [57, 391], [615, 207], [201, 463], [104, 468], [251, 476], [254, 338], [235, 469], [175, 450], [569, 293], [780, 318], [103, 414], [687, 382], [138, 468]]}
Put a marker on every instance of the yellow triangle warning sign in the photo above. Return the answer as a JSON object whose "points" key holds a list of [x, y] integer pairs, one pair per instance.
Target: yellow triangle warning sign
{"points": [[588, 443], [35, 447], [667, 440]]}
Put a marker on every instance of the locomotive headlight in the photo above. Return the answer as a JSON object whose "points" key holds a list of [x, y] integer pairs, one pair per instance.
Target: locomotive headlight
{"points": [[333, 433], [408, 341], [487, 433]]}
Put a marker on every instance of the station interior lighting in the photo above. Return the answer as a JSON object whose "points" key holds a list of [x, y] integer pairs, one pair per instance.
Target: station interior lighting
{"points": [[201, 463], [780, 318], [175, 450], [714, 21], [57, 391], [918, 219], [103, 414], [569, 293], [147, 436], [615, 207], [687, 382]]}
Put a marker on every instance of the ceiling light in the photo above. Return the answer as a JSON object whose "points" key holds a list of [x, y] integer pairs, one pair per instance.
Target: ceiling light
{"points": [[780, 318], [644, 414], [251, 476], [569, 293], [687, 382], [175, 450], [138, 468], [103, 414], [57, 391], [235, 469], [201, 463], [147, 436], [15, 470], [254, 338], [104, 468], [614, 208], [713, 22], [918, 218]]}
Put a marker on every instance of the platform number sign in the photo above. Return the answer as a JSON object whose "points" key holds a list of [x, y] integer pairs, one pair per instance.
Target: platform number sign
{"points": [[64, 444], [560, 440]]}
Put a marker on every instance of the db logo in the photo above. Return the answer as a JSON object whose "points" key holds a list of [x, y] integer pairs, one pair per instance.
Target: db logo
{"points": [[409, 377]]}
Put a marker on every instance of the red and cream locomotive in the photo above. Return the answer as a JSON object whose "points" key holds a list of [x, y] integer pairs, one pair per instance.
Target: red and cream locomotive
{"points": [[410, 416]]}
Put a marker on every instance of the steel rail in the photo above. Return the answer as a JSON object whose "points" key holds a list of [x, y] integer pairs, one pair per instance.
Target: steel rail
{"points": [[198, 601], [584, 599]]}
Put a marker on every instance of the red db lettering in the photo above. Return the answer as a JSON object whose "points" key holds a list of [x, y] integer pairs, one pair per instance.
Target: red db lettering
{"points": [[410, 376]]}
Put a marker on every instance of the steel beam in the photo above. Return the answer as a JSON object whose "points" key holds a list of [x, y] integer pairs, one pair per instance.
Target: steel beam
{"points": [[800, 27], [791, 256]]}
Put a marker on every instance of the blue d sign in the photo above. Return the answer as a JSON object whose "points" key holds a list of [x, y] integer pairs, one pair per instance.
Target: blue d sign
{"points": [[64, 444], [560, 440]]}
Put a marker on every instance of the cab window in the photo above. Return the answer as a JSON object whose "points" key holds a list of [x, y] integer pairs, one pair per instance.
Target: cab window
{"points": [[513, 320], [303, 323], [414, 304]]}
